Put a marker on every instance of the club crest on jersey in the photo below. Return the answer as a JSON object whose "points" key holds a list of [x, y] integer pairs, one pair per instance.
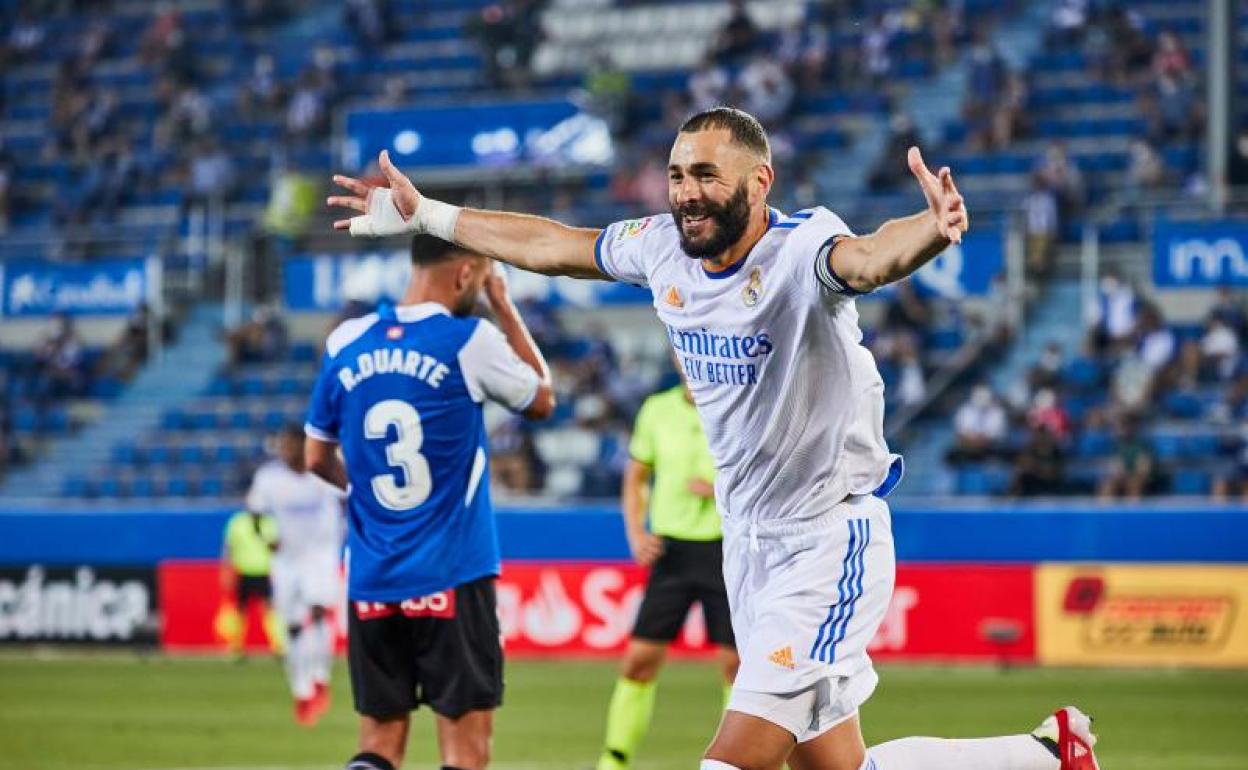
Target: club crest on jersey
{"points": [[632, 228], [673, 298], [394, 333], [753, 290]]}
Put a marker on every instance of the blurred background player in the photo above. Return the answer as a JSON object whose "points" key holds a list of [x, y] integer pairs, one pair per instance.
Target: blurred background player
{"points": [[306, 561], [684, 547], [246, 558], [402, 391]]}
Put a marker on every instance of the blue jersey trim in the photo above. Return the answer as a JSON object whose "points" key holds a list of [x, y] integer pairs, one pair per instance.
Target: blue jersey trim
{"points": [[896, 470], [602, 268], [773, 216]]}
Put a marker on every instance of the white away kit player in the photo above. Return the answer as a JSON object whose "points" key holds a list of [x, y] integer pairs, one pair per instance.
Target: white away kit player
{"points": [[759, 308], [306, 580]]}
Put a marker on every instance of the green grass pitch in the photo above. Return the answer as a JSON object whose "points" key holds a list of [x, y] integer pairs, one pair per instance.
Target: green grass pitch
{"points": [[124, 712]]}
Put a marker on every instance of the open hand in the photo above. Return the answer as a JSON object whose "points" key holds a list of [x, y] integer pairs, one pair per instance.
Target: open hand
{"points": [[943, 198], [402, 195]]}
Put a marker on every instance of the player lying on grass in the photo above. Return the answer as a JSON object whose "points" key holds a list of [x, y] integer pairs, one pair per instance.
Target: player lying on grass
{"points": [[401, 392], [759, 308]]}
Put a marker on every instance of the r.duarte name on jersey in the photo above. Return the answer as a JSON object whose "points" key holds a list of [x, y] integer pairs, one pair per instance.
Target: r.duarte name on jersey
{"points": [[721, 359], [392, 361]]}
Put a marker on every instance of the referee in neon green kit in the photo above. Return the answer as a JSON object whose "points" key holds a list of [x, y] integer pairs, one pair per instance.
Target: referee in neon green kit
{"points": [[684, 548]]}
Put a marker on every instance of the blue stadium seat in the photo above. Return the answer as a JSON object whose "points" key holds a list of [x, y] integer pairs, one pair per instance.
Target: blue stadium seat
{"points": [[212, 486], [1190, 481], [142, 486]]}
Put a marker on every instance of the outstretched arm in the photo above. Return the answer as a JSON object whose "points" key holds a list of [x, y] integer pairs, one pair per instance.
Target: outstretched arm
{"points": [[531, 243], [902, 246]]}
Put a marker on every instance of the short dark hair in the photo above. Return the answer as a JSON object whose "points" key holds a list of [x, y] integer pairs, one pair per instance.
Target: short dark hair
{"points": [[291, 430], [744, 127], [432, 250]]}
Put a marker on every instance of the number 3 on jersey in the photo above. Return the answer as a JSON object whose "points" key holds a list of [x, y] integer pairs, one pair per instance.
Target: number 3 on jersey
{"points": [[403, 452]]}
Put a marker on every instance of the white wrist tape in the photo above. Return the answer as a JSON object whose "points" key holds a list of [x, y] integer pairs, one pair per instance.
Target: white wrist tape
{"points": [[383, 218]]}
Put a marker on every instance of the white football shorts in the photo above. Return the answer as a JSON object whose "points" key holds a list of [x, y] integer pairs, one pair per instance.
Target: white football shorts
{"points": [[807, 596], [303, 582]]}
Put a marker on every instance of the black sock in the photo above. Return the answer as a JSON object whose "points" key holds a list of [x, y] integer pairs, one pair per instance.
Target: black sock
{"points": [[367, 760], [449, 767]]}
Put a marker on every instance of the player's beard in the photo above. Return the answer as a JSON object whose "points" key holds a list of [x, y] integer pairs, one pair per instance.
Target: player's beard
{"points": [[465, 305], [730, 218]]}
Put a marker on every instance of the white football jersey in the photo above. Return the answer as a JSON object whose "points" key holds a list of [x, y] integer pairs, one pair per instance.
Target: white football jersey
{"points": [[307, 510], [792, 403]]}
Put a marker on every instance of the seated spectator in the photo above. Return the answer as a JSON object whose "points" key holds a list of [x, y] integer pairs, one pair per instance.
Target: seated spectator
{"points": [[1146, 171], [1114, 313], [308, 111], [708, 86], [1062, 176], [1067, 22], [877, 40], [263, 338], [1156, 346], [1219, 349], [59, 362], [911, 383], [1232, 478], [1133, 469], [261, 94], [1228, 308], [1047, 371], [1046, 414], [1180, 115], [367, 20], [1040, 467], [980, 425], [515, 465], [739, 38], [891, 168], [1040, 225], [766, 91], [211, 173], [1171, 58]]}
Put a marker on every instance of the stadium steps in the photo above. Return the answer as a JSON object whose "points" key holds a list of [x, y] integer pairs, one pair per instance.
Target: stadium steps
{"points": [[183, 372], [1049, 319]]}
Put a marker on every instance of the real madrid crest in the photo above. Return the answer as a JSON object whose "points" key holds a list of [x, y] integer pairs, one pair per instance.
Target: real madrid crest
{"points": [[753, 290]]}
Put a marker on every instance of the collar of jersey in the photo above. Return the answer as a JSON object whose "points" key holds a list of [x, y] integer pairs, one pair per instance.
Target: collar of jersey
{"points": [[412, 313], [773, 216]]}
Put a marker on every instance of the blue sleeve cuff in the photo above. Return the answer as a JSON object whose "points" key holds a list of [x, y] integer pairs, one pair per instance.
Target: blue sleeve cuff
{"points": [[824, 273], [602, 267]]}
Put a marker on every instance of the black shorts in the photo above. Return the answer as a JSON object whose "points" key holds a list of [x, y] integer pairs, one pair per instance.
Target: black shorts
{"points": [[252, 587], [444, 650], [688, 571]]}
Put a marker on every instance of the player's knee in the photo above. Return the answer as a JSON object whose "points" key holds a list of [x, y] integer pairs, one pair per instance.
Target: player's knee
{"points": [[470, 752], [642, 663]]}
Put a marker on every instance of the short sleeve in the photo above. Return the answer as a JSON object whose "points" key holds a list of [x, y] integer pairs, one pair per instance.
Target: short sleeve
{"points": [[622, 249], [258, 498], [324, 417], [641, 445], [493, 371], [812, 244]]}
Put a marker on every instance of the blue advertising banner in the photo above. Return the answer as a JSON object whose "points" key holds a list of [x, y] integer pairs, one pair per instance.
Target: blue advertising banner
{"points": [[497, 134], [966, 270], [115, 287], [1014, 533], [324, 282], [1193, 254]]}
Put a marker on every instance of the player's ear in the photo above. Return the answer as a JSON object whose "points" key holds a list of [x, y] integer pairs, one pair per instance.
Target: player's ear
{"points": [[764, 178]]}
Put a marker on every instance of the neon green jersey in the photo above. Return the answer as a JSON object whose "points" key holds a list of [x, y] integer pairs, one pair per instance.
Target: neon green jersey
{"points": [[668, 437], [250, 541]]}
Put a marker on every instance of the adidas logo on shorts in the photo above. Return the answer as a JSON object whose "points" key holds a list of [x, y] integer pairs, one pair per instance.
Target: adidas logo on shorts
{"points": [[783, 657]]}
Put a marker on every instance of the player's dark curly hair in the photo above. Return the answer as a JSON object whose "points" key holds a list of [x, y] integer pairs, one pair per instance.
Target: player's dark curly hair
{"points": [[431, 250], [744, 128]]}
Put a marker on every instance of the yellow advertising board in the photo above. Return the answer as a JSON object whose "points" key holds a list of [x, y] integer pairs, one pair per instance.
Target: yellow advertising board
{"points": [[1124, 615]]}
